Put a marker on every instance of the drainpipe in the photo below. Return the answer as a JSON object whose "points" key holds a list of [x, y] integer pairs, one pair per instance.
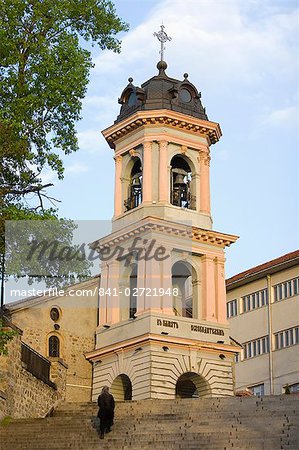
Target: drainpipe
{"points": [[270, 298]]}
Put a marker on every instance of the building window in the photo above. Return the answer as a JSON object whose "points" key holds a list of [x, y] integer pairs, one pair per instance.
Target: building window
{"points": [[231, 308], [258, 390], [55, 314], [286, 338], [255, 300], [54, 346], [294, 388], [286, 289], [256, 347]]}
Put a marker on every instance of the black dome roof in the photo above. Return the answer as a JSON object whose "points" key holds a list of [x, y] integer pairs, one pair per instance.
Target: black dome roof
{"points": [[161, 92]]}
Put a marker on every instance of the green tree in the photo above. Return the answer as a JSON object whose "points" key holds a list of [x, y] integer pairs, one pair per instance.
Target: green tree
{"points": [[41, 248], [44, 70], [43, 78]]}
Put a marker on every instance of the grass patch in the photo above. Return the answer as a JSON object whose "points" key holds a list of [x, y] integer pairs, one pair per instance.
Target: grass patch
{"points": [[5, 421]]}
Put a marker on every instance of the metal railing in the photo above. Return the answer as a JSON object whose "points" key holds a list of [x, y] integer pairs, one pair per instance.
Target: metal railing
{"points": [[182, 197], [134, 200], [36, 364]]}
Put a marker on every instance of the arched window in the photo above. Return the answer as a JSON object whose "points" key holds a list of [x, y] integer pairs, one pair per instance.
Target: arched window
{"points": [[133, 298], [181, 178], [54, 346], [134, 198], [182, 281]]}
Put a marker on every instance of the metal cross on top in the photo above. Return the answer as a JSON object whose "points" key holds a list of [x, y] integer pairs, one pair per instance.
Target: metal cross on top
{"points": [[162, 37]]}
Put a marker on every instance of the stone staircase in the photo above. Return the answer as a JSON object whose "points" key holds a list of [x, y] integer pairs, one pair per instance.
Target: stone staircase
{"points": [[193, 424]]}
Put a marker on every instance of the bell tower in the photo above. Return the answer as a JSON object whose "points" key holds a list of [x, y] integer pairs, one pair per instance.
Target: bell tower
{"points": [[162, 328], [165, 163]]}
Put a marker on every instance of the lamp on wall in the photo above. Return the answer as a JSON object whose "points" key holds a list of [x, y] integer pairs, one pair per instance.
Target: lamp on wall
{"points": [[165, 348], [222, 356]]}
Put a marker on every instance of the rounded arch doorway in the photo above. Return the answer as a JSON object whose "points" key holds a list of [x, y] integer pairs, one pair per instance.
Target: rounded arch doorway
{"points": [[192, 385], [121, 388]]}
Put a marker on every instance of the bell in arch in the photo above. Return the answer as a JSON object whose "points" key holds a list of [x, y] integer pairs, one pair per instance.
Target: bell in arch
{"points": [[179, 178], [136, 180]]}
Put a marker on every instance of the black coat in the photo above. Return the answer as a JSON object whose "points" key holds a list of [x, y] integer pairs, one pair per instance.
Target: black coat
{"points": [[106, 406]]}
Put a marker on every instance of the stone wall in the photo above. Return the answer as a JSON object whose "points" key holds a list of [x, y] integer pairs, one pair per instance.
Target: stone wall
{"points": [[73, 348], [21, 393], [2, 404], [75, 329]]}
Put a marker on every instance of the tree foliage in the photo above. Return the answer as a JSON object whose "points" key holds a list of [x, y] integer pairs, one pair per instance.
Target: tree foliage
{"points": [[43, 78], [5, 337], [40, 247], [44, 70]]}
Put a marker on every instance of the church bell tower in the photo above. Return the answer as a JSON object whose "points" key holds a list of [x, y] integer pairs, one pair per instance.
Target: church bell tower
{"points": [[162, 329]]}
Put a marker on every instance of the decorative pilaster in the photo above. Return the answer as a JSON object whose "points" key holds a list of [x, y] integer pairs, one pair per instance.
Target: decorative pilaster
{"points": [[147, 172], [118, 187], [208, 288], [153, 300], [205, 183], [196, 302], [163, 179], [167, 300], [220, 289], [103, 298], [113, 300], [140, 286]]}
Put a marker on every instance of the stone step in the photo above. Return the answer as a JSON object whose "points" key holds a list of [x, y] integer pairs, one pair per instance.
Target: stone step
{"points": [[188, 424]]}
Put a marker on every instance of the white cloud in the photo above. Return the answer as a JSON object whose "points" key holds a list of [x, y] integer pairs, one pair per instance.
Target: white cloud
{"points": [[103, 106], [285, 117], [217, 38], [90, 140], [75, 169]]}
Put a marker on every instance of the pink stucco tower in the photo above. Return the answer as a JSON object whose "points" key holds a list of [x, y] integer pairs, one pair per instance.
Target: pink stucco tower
{"points": [[162, 328]]}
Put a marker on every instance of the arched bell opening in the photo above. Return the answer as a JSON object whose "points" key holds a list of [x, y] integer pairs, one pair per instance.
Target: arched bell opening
{"points": [[181, 183], [134, 195], [183, 279], [192, 385], [121, 388]]}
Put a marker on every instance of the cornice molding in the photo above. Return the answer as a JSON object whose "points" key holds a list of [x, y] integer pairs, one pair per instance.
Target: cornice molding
{"points": [[155, 338], [210, 130], [198, 235]]}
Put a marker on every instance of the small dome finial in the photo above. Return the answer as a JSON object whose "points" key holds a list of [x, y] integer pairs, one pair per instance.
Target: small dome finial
{"points": [[162, 66], [186, 76], [130, 80]]}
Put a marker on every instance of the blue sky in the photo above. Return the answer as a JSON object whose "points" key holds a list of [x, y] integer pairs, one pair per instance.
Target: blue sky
{"points": [[242, 56]]}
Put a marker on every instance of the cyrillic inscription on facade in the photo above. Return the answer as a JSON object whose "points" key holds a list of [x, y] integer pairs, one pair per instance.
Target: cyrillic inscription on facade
{"points": [[167, 323], [207, 330]]}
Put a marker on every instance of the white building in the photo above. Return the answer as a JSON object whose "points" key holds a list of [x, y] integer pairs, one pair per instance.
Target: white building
{"points": [[263, 311]]}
